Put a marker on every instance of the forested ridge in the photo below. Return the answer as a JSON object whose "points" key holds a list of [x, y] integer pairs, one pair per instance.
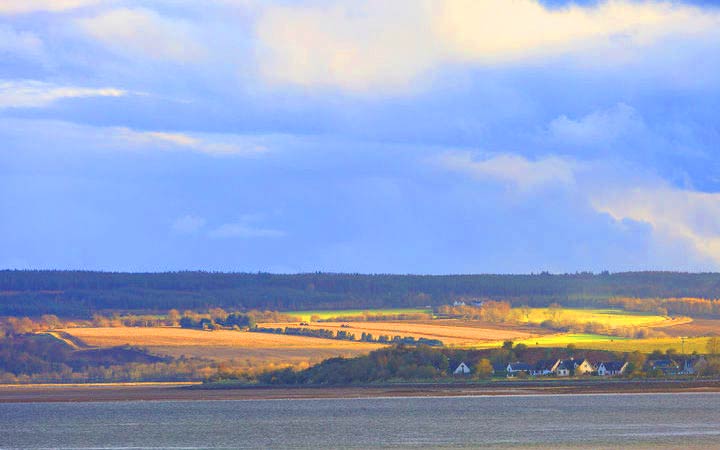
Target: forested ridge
{"points": [[81, 293]]}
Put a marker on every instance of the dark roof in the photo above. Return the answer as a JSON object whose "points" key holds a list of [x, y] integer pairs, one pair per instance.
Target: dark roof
{"points": [[664, 364], [520, 366], [571, 363], [499, 367], [613, 366], [545, 364], [694, 360]]}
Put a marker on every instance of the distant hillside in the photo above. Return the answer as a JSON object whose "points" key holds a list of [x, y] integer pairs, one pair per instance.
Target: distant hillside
{"points": [[76, 293]]}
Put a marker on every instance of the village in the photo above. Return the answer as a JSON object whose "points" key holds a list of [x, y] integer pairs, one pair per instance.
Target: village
{"points": [[580, 367]]}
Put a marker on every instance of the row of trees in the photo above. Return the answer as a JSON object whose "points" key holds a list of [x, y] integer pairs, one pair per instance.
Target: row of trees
{"points": [[422, 363], [348, 336], [79, 294], [686, 306]]}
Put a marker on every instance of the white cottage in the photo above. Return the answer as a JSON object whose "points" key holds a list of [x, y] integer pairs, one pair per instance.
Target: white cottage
{"points": [[611, 368]]}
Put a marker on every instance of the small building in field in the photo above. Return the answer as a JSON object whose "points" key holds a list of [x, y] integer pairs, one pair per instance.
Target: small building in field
{"points": [[545, 367], [462, 369], [516, 368], [611, 368]]}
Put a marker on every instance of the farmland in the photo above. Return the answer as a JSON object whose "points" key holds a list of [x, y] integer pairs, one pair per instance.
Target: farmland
{"points": [[306, 316], [607, 317], [263, 349], [613, 343], [450, 332], [223, 345]]}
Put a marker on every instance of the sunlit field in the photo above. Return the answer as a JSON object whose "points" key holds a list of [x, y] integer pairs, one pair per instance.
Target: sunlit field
{"points": [[223, 345], [306, 316], [449, 332], [613, 343], [608, 317]]}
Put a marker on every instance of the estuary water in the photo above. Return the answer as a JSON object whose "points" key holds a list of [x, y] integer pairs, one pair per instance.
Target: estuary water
{"points": [[564, 421]]}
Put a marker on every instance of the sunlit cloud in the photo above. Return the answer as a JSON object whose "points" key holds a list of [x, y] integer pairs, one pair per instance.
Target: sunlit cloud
{"points": [[36, 94], [675, 215], [598, 127], [379, 45], [512, 169], [29, 6], [210, 144], [144, 32]]}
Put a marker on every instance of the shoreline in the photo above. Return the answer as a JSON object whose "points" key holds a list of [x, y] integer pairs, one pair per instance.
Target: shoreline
{"points": [[183, 392]]}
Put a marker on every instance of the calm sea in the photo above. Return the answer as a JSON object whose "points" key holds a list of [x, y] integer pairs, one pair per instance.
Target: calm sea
{"points": [[588, 421]]}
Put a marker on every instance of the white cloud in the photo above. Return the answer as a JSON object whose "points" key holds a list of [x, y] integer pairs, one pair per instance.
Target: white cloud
{"points": [[598, 127], [29, 6], [369, 45], [34, 94], [19, 42], [211, 144], [676, 215], [513, 169], [244, 230], [59, 136], [188, 224], [145, 32], [500, 30], [348, 44]]}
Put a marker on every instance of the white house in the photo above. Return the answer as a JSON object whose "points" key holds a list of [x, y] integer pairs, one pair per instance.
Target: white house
{"points": [[563, 369], [513, 369], [574, 367], [462, 369], [545, 367], [611, 368]]}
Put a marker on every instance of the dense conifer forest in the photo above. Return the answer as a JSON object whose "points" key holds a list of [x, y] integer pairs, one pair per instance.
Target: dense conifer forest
{"points": [[80, 293]]}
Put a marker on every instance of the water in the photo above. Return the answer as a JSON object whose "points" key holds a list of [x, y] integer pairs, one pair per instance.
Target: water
{"points": [[590, 421]]}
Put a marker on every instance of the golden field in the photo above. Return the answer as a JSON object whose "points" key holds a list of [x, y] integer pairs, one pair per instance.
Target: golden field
{"points": [[264, 349], [223, 345], [449, 331]]}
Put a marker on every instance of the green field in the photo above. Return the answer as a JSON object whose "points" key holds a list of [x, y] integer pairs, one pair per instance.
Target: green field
{"points": [[329, 314], [614, 343], [608, 317]]}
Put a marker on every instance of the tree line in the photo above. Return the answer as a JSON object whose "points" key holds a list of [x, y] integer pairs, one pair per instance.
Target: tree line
{"points": [[345, 335], [81, 294]]}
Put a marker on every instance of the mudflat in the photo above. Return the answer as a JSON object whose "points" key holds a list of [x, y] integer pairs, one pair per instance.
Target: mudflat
{"points": [[188, 392]]}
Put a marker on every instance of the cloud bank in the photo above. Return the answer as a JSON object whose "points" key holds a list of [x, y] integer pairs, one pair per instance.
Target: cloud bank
{"points": [[378, 45]]}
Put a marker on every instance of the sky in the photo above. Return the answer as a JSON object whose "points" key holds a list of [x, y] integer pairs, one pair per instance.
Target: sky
{"points": [[412, 136]]}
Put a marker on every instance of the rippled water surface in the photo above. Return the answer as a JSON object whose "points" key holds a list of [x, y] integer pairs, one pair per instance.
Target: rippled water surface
{"points": [[590, 421]]}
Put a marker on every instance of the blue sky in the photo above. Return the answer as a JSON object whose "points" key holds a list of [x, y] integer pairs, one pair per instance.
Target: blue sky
{"points": [[438, 136]]}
